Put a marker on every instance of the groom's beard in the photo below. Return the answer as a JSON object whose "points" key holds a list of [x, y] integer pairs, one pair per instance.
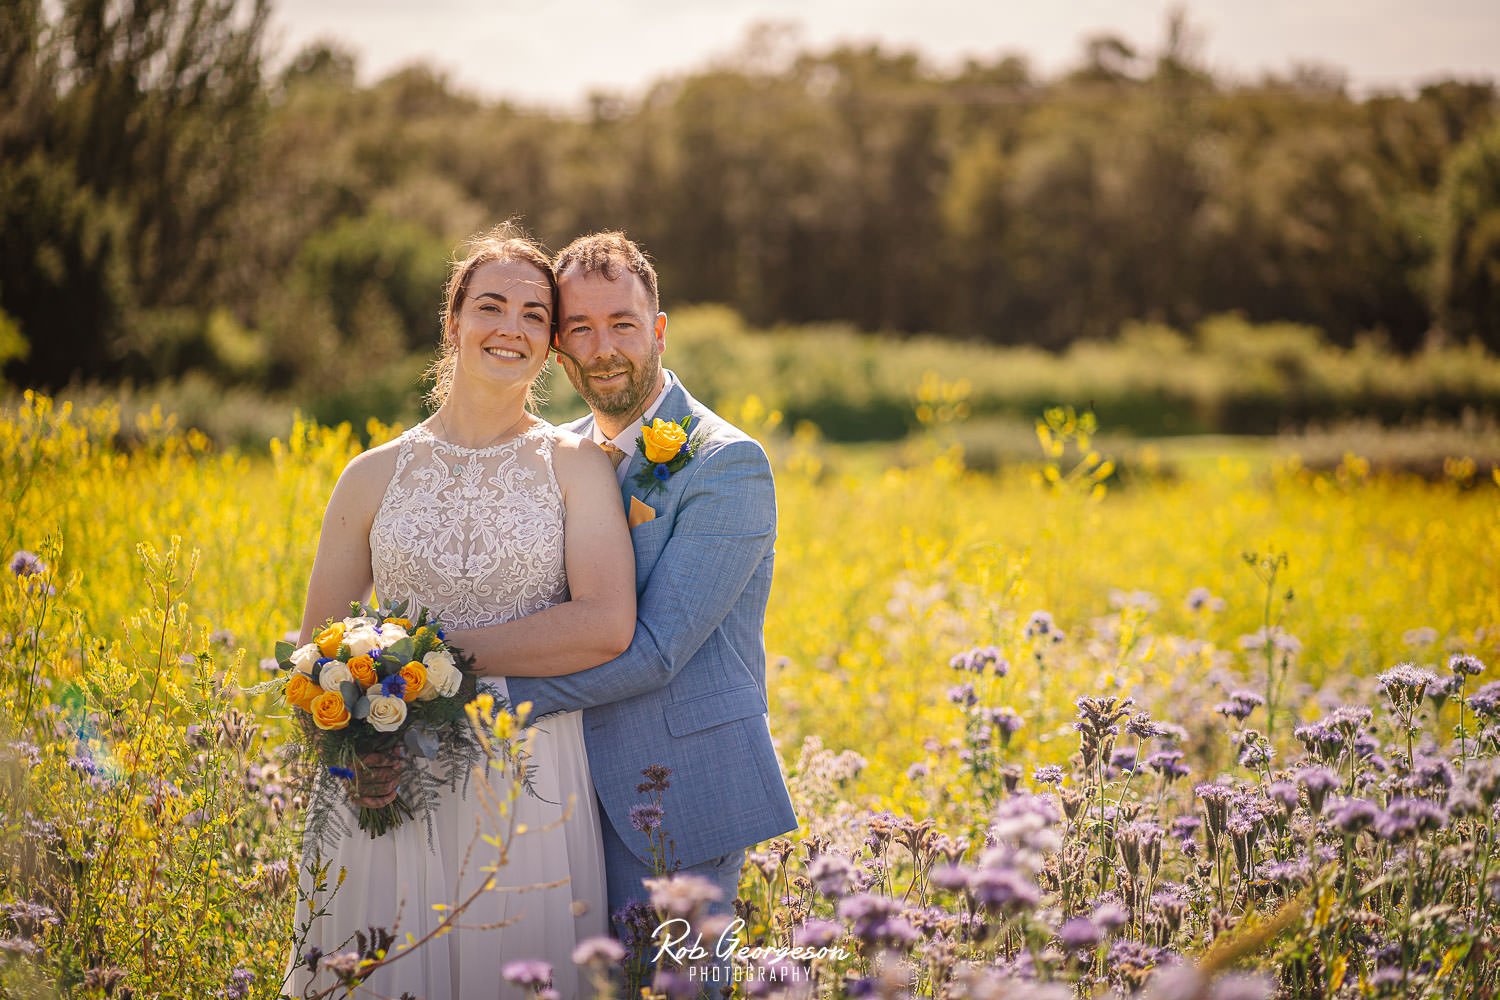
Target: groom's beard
{"points": [[629, 401]]}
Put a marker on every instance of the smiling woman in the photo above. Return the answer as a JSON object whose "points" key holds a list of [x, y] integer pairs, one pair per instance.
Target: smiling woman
{"points": [[503, 292], [482, 515]]}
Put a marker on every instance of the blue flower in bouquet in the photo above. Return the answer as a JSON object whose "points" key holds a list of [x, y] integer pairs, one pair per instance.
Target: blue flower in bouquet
{"points": [[341, 772], [393, 686]]}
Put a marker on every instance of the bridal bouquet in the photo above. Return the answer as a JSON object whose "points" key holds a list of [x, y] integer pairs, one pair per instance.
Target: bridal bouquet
{"points": [[379, 682]]}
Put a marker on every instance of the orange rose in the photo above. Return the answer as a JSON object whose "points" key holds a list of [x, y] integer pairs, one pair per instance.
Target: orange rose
{"points": [[415, 676], [363, 669], [330, 639], [300, 692], [329, 712]]}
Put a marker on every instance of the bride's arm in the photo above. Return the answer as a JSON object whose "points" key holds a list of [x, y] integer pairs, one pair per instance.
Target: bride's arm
{"points": [[341, 570], [595, 624]]}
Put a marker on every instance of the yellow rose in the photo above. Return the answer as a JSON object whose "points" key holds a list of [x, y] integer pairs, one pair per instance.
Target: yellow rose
{"points": [[329, 712], [330, 639], [300, 692], [363, 669], [403, 622], [415, 676], [663, 440]]}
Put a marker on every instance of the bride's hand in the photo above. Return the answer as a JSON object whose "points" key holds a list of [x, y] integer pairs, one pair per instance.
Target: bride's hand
{"points": [[376, 776]]}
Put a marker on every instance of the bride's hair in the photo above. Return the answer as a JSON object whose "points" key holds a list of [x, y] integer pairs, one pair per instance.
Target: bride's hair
{"points": [[505, 243]]}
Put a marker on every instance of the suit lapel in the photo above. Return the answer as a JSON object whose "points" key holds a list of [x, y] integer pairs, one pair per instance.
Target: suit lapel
{"points": [[675, 406]]}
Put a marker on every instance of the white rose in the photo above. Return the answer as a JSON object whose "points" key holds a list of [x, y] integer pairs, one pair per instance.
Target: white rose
{"points": [[335, 672], [390, 635], [361, 640], [442, 674], [353, 623], [386, 713], [428, 692], [306, 657]]}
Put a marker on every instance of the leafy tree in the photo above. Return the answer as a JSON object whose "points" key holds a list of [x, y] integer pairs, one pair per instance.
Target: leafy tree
{"points": [[1466, 289]]}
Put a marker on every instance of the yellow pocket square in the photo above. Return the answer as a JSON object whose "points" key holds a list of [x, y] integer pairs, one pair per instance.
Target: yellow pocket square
{"points": [[640, 512]]}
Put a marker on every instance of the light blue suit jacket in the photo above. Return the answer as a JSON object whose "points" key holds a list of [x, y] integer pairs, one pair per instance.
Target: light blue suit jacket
{"points": [[690, 692]]}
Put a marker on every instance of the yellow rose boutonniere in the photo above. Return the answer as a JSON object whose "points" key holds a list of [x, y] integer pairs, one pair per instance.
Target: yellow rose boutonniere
{"points": [[667, 447], [662, 440]]}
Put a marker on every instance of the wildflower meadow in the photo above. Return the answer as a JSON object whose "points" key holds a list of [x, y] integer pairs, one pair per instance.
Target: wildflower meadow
{"points": [[1086, 726]]}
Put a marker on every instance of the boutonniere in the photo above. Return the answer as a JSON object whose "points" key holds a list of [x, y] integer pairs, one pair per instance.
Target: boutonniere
{"points": [[667, 447]]}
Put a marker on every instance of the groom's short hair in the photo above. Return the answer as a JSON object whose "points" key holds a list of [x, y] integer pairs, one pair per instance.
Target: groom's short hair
{"points": [[612, 254]]}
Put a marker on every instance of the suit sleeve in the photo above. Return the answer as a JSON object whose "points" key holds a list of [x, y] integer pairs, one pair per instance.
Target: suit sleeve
{"points": [[725, 527]]}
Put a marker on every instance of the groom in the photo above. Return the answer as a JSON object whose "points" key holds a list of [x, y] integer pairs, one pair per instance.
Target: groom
{"points": [[690, 692]]}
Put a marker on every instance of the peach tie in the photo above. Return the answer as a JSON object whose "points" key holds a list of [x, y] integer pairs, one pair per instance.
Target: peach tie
{"points": [[616, 456]]}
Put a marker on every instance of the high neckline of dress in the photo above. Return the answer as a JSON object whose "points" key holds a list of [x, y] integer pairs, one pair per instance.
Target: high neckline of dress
{"points": [[423, 432]]}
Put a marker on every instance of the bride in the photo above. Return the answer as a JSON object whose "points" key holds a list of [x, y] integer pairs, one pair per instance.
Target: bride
{"points": [[483, 513]]}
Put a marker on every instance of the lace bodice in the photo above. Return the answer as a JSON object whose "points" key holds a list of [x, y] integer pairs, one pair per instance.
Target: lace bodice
{"points": [[474, 534]]}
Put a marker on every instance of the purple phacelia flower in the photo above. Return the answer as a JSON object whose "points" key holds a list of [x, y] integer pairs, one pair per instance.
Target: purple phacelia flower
{"points": [[1485, 702], [1405, 818], [831, 873], [600, 950], [1202, 599], [1168, 764], [1276, 636], [1405, 683], [682, 895], [1041, 626], [817, 934], [1419, 638], [1284, 793], [1004, 890], [1464, 665], [1078, 934], [1240, 705], [527, 972], [646, 817], [1351, 816], [24, 563], [964, 695], [1141, 726], [1318, 781], [981, 659]]}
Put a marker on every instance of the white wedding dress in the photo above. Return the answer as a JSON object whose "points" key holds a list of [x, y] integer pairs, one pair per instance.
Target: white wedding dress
{"points": [[475, 535]]}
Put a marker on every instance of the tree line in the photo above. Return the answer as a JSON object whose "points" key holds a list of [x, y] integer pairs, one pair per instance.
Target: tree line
{"points": [[169, 203]]}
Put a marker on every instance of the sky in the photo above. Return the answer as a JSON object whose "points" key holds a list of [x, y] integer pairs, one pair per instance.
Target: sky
{"points": [[554, 53]]}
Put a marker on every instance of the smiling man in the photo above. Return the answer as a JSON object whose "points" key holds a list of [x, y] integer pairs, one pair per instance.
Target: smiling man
{"points": [[690, 692]]}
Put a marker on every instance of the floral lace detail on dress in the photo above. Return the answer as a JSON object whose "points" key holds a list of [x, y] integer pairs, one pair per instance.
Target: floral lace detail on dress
{"points": [[475, 534]]}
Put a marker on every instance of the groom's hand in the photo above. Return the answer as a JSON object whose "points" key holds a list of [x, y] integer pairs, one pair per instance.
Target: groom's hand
{"points": [[376, 776]]}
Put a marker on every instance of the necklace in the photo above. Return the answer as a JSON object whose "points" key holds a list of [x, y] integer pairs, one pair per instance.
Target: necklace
{"points": [[443, 427]]}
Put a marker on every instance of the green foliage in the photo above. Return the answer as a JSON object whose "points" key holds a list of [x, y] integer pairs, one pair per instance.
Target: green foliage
{"points": [[1466, 292], [131, 129], [171, 210], [1225, 376]]}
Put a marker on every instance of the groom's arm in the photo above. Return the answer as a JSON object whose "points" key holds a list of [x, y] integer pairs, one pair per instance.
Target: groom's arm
{"points": [[725, 527]]}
